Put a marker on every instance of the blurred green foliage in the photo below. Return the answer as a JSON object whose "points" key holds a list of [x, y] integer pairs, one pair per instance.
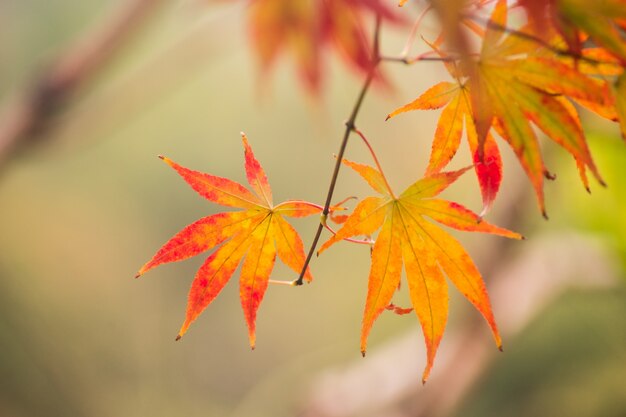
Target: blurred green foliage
{"points": [[571, 361], [604, 211]]}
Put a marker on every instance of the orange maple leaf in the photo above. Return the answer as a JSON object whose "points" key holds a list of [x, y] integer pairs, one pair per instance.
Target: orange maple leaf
{"points": [[455, 100], [516, 82], [277, 25], [258, 234], [306, 28], [512, 85], [426, 251]]}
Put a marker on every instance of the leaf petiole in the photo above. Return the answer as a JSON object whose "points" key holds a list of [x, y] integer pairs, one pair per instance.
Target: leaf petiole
{"points": [[380, 169]]}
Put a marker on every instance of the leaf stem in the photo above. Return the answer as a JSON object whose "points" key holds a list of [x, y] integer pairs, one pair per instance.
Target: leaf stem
{"points": [[344, 143], [380, 168], [411, 39], [366, 241]]}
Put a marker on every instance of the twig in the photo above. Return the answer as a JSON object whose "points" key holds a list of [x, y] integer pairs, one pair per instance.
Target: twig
{"points": [[419, 58], [344, 142], [27, 115]]}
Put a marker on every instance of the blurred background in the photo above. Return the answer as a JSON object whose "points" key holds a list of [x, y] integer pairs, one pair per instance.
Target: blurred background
{"points": [[84, 202]]}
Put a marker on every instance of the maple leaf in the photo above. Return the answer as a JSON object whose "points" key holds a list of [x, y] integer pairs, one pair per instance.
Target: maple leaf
{"points": [[601, 20], [258, 234], [454, 98], [598, 19], [619, 93], [306, 28], [341, 22], [599, 63], [596, 62], [275, 25], [510, 88], [427, 251]]}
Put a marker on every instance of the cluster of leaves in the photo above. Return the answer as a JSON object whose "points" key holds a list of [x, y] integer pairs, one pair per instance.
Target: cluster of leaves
{"points": [[306, 27], [566, 55], [518, 79]]}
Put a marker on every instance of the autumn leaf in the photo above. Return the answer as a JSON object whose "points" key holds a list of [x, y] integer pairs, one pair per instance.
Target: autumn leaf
{"points": [[598, 20], [457, 17], [604, 68], [509, 91], [292, 26], [591, 38], [619, 92], [406, 237], [456, 113], [455, 99], [255, 235], [305, 29], [602, 21], [342, 24]]}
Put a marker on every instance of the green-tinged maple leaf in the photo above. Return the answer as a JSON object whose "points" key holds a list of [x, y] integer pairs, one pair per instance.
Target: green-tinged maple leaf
{"points": [[601, 20], [407, 238], [256, 234], [596, 62], [619, 92], [510, 90]]}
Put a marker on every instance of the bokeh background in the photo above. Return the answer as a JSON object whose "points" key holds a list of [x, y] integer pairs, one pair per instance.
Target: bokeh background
{"points": [[85, 202]]}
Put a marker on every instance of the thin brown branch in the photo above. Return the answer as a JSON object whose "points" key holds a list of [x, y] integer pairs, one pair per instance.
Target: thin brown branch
{"points": [[28, 114], [419, 58], [350, 123]]}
